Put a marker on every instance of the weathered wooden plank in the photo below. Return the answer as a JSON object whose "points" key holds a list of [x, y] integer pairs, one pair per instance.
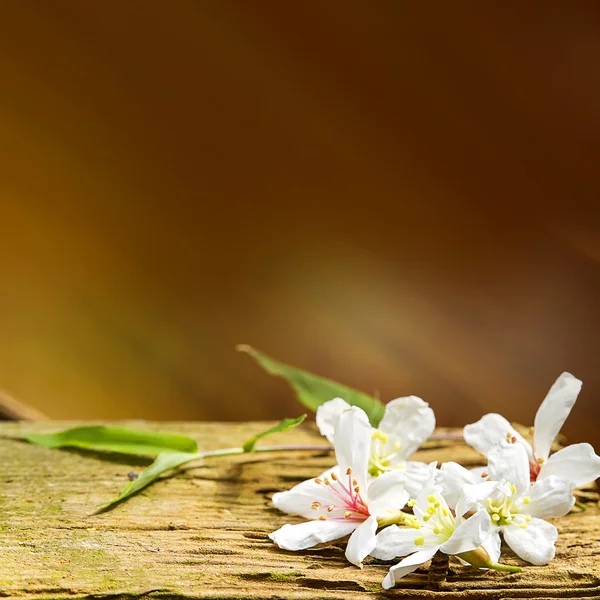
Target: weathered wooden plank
{"points": [[203, 533]]}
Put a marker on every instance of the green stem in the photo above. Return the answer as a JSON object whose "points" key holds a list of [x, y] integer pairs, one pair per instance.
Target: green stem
{"points": [[393, 517], [507, 568], [234, 451]]}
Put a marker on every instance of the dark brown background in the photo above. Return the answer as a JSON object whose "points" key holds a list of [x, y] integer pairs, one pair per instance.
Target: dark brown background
{"points": [[399, 195]]}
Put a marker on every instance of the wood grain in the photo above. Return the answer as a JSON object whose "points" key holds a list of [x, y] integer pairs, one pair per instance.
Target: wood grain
{"points": [[203, 532]]}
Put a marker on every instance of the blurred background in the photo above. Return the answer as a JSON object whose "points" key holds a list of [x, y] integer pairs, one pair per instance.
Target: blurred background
{"points": [[400, 196]]}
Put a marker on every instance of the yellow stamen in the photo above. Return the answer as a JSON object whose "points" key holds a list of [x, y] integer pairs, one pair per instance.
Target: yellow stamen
{"points": [[323, 518], [379, 435], [347, 514], [411, 502], [330, 508], [319, 481], [495, 517], [334, 476], [419, 541], [523, 526], [526, 500], [349, 471]]}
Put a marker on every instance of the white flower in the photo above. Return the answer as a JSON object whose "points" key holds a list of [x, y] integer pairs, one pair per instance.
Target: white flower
{"points": [[516, 507], [342, 500], [406, 424], [433, 528], [577, 463]]}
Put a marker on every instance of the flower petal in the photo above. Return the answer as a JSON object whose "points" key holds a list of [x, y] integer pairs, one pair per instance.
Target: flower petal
{"points": [[453, 478], [553, 412], [469, 534], [407, 420], [422, 499], [534, 543], [352, 441], [473, 495], [550, 497], [492, 544], [328, 415], [299, 500], [311, 533], [395, 541], [417, 475], [387, 491], [408, 565], [362, 542], [511, 463], [577, 463], [489, 430]]}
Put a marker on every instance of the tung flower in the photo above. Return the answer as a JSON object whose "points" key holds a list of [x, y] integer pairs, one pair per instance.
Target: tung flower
{"points": [[342, 500], [434, 528], [406, 424], [517, 508], [577, 463]]}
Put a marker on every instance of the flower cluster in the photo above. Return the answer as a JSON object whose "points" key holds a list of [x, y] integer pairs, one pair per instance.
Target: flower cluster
{"points": [[394, 507]]}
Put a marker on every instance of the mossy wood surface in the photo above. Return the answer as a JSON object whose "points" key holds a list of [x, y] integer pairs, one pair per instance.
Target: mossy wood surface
{"points": [[203, 533]]}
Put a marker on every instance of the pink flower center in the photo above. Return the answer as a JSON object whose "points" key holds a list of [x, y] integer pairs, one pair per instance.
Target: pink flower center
{"points": [[534, 470], [347, 503]]}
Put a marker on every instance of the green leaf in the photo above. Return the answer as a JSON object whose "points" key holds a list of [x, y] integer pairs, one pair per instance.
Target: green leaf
{"points": [[284, 425], [313, 390], [164, 462], [115, 439]]}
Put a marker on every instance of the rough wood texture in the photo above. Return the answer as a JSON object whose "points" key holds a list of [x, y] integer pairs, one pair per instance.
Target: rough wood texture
{"points": [[203, 533]]}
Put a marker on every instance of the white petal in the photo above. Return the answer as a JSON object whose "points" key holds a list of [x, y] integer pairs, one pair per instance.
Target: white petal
{"points": [[489, 430], [480, 472], [469, 534], [299, 500], [430, 487], [395, 541], [352, 441], [453, 478], [492, 545], [328, 415], [362, 542], [409, 421], [311, 533], [511, 463], [535, 543], [553, 412], [473, 496], [550, 497], [577, 463], [417, 475], [387, 491], [408, 565]]}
